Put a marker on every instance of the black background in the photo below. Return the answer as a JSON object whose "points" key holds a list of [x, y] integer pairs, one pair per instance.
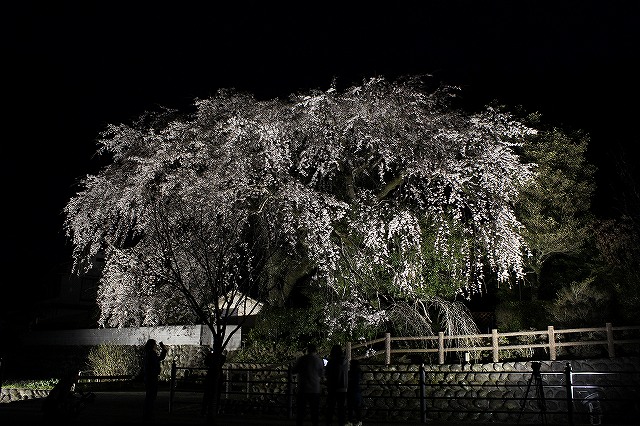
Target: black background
{"points": [[69, 69]]}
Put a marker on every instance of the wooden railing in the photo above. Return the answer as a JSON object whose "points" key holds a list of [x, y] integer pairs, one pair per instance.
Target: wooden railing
{"points": [[549, 340]]}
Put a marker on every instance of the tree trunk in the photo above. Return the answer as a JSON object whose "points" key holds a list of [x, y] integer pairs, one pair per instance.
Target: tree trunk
{"points": [[213, 386]]}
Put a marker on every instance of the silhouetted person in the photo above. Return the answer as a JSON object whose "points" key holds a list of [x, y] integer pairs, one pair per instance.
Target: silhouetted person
{"points": [[211, 385], [354, 394], [151, 369], [63, 401], [337, 381], [309, 368]]}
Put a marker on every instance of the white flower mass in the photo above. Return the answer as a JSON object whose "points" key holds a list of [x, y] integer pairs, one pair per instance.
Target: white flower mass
{"points": [[377, 192]]}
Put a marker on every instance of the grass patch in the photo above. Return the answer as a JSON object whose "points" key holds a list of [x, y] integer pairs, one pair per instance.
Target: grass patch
{"points": [[45, 384], [48, 384]]}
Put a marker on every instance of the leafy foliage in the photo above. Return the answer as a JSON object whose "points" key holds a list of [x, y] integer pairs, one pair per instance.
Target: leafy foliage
{"points": [[45, 384], [114, 360], [519, 315], [555, 210], [618, 243], [281, 333], [580, 304]]}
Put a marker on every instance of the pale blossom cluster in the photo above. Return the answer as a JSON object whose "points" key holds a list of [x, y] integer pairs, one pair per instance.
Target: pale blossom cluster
{"points": [[358, 186], [348, 316]]}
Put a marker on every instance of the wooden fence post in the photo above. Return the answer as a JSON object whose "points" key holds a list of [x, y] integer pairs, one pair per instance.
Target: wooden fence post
{"points": [[494, 344], [552, 342], [440, 347], [612, 349], [387, 348]]}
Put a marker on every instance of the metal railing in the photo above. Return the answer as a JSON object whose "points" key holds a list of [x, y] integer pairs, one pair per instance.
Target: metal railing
{"points": [[558, 396], [87, 380], [270, 387]]}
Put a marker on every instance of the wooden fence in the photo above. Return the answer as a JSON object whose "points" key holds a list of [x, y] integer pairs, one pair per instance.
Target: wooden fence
{"points": [[549, 340]]}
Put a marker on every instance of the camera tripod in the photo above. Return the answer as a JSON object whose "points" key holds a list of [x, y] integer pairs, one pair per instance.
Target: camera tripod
{"points": [[539, 393]]}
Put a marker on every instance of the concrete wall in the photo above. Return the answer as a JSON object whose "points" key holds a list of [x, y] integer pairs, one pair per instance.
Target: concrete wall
{"points": [[196, 335], [41, 354]]}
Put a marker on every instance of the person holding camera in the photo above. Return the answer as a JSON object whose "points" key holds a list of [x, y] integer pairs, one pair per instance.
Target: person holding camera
{"points": [[151, 371]]}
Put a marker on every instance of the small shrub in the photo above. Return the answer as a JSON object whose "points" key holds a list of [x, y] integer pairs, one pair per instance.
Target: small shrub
{"points": [[281, 333], [521, 316], [582, 304], [517, 353], [114, 360], [263, 352]]}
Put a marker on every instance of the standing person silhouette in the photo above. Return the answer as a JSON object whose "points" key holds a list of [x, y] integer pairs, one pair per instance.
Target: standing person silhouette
{"points": [[337, 382], [354, 394], [151, 368], [309, 368]]}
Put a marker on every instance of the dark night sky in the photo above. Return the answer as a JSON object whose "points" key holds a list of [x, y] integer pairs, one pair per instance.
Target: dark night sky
{"points": [[71, 69]]}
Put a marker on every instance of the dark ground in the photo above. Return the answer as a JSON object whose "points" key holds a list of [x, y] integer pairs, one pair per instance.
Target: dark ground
{"points": [[125, 408]]}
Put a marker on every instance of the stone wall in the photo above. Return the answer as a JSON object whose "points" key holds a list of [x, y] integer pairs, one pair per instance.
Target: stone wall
{"points": [[483, 393], [495, 392], [504, 392]]}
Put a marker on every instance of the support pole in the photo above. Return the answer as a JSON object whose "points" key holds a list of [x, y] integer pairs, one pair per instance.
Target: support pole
{"points": [[423, 395], [569, 390], [172, 385], [289, 392]]}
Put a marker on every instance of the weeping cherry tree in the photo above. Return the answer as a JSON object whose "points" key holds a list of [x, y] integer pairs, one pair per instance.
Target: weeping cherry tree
{"points": [[384, 196]]}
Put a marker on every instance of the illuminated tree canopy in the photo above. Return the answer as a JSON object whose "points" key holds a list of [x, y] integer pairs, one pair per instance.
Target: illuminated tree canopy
{"points": [[380, 193]]}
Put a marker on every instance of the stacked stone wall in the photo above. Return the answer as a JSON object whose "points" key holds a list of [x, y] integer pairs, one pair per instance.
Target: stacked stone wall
{"points": [[503, 392], [495, 392]]}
